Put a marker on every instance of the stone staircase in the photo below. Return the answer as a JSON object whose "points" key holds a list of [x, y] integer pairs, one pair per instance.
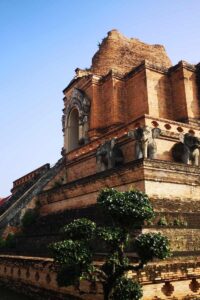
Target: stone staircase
{"points": [[10, 214]]}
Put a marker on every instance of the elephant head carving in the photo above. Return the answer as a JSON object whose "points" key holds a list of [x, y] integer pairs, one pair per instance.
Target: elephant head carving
{"points": [[187, 150], [109, 155], [145, 146]]}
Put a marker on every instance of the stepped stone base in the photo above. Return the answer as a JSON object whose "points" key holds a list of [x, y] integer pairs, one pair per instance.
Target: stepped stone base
{"points": [[159, 179], [177, 279]]}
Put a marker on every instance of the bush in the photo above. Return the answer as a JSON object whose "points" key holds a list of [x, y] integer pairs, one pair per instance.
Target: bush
{"points": [[80, 229], [162, 222], [128, 209], [152, 245], [29, 218], [2, 243], [10, 241], [70, 252], [127, 289], [111, 235]]}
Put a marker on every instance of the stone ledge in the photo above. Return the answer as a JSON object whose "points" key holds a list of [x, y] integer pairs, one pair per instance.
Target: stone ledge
{"points": [[145, 175], [31, 278], [140, 163], [144, 164]]}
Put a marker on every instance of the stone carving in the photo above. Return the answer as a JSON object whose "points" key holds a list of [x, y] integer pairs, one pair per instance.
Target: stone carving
{"points": [[187, 150], [79, 101], [109, 155], [145, 146]]}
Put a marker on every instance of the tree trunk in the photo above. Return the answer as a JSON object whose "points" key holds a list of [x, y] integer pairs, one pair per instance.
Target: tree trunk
{"points": [[106, 291]]}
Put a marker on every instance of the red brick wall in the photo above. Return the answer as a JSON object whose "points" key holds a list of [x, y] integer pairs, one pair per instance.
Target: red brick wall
{"points": [[136, 96]]}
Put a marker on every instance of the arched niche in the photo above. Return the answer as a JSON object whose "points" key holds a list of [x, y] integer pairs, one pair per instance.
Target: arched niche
{"points": [[73, 130], [76, 120]]}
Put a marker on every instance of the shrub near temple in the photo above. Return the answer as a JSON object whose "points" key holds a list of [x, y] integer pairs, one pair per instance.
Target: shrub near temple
{"points": [[2, 243], [75, 255], [29, 218]]}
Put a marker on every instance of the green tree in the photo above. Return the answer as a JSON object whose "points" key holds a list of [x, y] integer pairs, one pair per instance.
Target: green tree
{"points": [[75, 255]]}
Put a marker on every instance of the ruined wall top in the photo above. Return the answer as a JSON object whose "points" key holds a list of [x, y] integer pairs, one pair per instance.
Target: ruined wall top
{"points": [[122, 54]]}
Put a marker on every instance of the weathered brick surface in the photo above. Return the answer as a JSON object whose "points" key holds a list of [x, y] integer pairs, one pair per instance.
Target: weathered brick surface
{"points": [[82, 162], [181, 239], [158, 179], [122, 54], [136, 86], [159, 95], [136, 97], [191, 94]]}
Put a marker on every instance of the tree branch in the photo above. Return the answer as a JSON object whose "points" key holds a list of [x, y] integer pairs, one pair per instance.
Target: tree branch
{"points": [[134, 268], [101, 275]]}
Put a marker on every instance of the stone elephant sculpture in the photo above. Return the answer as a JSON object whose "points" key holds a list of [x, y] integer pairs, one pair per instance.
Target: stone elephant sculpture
{"points": [[145, 146], [187, 150], [109, 155]]}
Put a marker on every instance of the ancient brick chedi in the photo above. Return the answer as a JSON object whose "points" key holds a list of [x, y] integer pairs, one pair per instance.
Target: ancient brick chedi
{"points": [[131, 120], [130, 85], [128, 79]]}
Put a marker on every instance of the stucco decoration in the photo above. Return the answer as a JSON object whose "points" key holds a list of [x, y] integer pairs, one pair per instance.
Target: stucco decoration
{"points": [[145, 145], [187, 150], [80, 102]]}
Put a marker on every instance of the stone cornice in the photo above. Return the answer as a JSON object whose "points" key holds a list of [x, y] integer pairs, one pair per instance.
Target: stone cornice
{"points": [[184, 65]]}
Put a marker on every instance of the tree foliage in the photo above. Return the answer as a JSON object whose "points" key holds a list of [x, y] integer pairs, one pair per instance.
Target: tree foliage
{"points": [[126, 289], [75, 255], [2, 243], [8, 242], [80, 229], [128, 209], [151, 245]]}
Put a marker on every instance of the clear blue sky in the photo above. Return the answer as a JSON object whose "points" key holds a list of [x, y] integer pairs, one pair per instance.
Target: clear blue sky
{"points": [[41, 44]]}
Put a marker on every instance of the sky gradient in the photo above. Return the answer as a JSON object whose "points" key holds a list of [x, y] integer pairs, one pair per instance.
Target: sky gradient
{"points": [[42, 42]]}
